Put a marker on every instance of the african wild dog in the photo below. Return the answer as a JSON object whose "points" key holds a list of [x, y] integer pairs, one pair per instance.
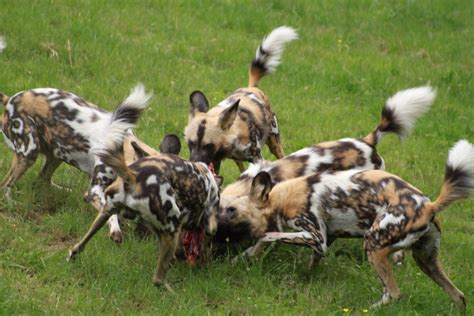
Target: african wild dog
{"points": [[167, 192], [61, 126], [389, 213], [399, 115], [238, 126], [103, 176]]}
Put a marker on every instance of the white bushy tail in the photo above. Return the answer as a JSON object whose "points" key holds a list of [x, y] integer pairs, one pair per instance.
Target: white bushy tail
{"points": [[268, 55], [124, 117], [401, 112], [459, 176]]}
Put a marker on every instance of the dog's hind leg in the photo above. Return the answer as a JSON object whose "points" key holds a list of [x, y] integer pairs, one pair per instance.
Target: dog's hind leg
{"points": [[49, 167], [99, 221], [274, 144], [426, 255], [18, 167], [379, 260], [168, 244]]}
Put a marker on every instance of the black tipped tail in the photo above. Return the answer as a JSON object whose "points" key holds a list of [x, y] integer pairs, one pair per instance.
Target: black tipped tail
{"points": [[268, 55], [459, 176], [123, 118], [401, 111]]}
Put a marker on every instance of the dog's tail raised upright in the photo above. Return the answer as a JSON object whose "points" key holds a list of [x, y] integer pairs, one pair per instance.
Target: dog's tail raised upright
{"points": [[400, 113], [458, 177], [268, 55], [123, 118]]}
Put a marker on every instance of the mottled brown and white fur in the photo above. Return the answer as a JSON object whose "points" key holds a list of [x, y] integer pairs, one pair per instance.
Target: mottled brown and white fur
{"points": [[60, 125], [398, 116], [167, 192], [240, 125], [103, 175], [388, 212]]}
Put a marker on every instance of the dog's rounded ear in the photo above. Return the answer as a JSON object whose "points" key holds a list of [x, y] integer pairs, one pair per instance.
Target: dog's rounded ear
{"points": [[219, 180], [227, 117], [139, 152], [198, 103], [262, 184], [170, 145]]}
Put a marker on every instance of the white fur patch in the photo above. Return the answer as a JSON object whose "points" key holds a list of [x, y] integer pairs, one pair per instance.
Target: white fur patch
{"points": [[410, 239], [409, 105], [255, 168], [391, 219], [419, 199], [275, 127], [461, 157], [151, 180], [332, 182], [138, 98], [3, 43], [273, 46], [226, 103], [117, 130], [114, 225]]}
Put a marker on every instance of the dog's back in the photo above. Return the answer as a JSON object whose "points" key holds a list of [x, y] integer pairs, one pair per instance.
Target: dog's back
{"points": [[55, 122], [167, 179]]}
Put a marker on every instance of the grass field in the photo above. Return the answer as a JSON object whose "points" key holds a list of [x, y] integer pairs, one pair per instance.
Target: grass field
{"points": [[351, 56]]}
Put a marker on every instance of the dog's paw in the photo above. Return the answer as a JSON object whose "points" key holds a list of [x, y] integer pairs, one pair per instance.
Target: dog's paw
{"points": [[163, 284], [116, 236], [71, 255], [398, 257]]}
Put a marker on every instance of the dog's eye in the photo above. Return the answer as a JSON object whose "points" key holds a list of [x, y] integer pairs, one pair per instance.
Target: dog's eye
{"points": [[231, 209]]}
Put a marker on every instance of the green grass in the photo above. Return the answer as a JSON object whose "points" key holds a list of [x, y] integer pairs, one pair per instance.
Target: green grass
{"points": [[332, 83]]}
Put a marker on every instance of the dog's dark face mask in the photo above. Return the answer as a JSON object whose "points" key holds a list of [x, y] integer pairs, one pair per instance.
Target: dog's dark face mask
{"points": [[209, 135], [205, 153]]}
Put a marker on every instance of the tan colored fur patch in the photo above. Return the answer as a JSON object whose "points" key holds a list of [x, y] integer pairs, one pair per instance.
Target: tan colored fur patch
{"points": [[349, 158], [34, 105], [290, 196], [327, 145]]}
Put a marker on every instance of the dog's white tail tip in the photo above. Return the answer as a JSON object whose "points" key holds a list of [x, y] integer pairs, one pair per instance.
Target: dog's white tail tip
{"points": [[3, 43], [407, 106], [138, 97]]}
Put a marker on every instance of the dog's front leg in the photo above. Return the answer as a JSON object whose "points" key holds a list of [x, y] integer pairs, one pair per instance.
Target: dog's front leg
{"points": [[168, 244], [315, 240], [115, 233], [255, 250], [99, 221]]}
